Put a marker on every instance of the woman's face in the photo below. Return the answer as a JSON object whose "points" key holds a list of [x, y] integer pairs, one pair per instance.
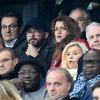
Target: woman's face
{"points": [[60, 31], [73, 54]]}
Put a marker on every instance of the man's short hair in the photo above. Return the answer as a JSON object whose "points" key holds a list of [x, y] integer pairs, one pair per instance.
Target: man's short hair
{"points": [[13, 14], [13, 54], [67, 75]]}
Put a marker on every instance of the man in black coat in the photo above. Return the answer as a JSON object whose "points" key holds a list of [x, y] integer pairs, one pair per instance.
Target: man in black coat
{"points": [[38, 46]]}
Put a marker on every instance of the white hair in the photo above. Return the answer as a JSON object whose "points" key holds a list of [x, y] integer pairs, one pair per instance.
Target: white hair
{"points": [[88, 28]]}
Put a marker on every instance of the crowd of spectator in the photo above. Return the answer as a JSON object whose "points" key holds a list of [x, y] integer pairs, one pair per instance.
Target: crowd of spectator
{"points": [[61, 64]]}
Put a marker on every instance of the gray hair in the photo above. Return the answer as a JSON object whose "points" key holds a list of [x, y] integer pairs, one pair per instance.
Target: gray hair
{"points": [[93, 24], [86, 14]]}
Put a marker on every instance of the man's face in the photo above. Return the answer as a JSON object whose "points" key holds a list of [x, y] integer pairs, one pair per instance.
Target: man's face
{"points": [[78, 16], [96, 94], [7, 63], [94, 37], [91, 66], [29, 76], [57, 85], [34, 36], [60, 32], [9, 28]]}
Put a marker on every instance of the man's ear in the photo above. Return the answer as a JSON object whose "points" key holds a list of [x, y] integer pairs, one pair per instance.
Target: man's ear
{"points": [[69, 86], [16, 60], [46, 35]]}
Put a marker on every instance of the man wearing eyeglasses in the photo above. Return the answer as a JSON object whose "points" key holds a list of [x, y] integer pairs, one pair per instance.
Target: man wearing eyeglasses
{"points": [[89, 76], [38, 46], [11, 24], [8, 60]]}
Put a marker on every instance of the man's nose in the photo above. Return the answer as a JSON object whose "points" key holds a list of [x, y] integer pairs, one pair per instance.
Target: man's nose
{"points": [[95, 39], [52, 88], [7, 29]]}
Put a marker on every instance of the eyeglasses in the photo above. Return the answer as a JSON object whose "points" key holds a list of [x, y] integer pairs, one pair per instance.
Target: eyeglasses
{"points": [[4, 61], [12, 26], [29, 72], [35, 32]]}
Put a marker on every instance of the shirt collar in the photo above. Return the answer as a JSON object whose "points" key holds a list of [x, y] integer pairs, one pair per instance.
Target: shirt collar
{"points": [[10, 44]]}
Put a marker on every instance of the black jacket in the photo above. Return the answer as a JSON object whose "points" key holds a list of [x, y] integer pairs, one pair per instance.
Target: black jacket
{"points": [[44, 57]]}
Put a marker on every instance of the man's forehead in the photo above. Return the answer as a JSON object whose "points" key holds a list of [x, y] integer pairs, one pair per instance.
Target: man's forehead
{"points": [[56, 75], [95, 28], [6, 52], [27, 67]]}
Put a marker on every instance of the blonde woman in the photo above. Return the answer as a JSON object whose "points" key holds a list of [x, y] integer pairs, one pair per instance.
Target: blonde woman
{"points": [[70, 56], [8, 91]]}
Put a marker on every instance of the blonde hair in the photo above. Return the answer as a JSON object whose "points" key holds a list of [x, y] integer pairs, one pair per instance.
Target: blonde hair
{"points": [[71, 44], [8, 91]]}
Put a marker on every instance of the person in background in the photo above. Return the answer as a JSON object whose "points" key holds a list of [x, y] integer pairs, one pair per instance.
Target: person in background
{"points": [[11, 24], [93, 39], [38, 45], [64, 30], [8, 60], [70, 56], [31, 75], [82, 18], [89, 76], [93, 35], [58, 84], [8, 91], [96, 91]]}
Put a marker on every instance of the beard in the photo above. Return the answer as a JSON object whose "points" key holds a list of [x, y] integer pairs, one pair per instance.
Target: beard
{"points": [[35, 42]]}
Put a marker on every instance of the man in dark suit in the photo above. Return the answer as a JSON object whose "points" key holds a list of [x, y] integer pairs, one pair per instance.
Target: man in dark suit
{"points": [[11, 24]]}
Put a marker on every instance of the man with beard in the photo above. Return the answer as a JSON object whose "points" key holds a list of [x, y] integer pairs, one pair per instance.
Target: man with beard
{"points": [[37, 46]]}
